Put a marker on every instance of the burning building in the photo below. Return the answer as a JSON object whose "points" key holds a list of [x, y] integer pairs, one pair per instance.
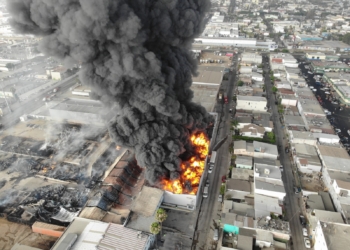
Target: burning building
{"points": [[136, 57], [185, 192]]}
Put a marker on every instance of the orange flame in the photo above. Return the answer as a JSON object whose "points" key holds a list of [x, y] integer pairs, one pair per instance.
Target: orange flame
{"points": [[191, 170]]}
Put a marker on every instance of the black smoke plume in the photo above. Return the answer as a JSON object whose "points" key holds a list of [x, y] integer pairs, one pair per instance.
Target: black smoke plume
{"points": [[135, 55]]}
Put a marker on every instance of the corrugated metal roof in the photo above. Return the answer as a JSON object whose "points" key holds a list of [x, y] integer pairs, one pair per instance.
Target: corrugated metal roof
{"points": [[64, 215], [123, 238]]}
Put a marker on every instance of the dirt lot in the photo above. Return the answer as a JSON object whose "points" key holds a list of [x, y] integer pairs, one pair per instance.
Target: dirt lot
{"points": [[12, 233], [311, 182]]}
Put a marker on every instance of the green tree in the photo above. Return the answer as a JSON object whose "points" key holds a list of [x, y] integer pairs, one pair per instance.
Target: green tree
{"points": [[235, 123], [161, 216], [271, 136], [10, 66], [346, 38], [222, 189], [155, 228], [285, 51], [274, 89], [240, 83]]}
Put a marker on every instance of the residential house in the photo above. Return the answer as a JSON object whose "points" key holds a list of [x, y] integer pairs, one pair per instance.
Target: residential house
{"points": [[265, 150], [245, 162], [331, 236], [271, 188], [251, 103], [251, 58], [252, 130], [262, 119], [306, 158], [316, 56], [302, 137]]}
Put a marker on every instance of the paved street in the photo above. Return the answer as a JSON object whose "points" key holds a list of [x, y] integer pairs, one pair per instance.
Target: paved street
{"points": [[292, 200], [210, 209], [30, 104]]}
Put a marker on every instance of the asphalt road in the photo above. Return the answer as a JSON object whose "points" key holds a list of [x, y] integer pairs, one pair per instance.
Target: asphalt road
{"points": [[26, 107], [210, 210], [339, 118], [292, 204]]}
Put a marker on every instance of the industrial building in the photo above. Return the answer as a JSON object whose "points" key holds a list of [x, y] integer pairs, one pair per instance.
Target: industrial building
{"points": [[236, 42], [206, 86]]}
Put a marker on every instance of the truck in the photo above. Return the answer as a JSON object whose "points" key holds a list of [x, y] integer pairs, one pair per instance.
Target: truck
{"points": [[212, 159]]}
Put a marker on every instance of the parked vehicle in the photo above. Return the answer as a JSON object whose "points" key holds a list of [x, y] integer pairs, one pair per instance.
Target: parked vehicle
{"points": [[307, 243], [305, 231], [216, 235], [220, 198], [205, 192], [302, 220]]}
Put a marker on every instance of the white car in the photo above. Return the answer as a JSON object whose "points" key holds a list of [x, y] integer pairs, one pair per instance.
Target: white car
{"points": [[337, 130], [220, 198], [210, 170], [307, 243], [305, 231]]}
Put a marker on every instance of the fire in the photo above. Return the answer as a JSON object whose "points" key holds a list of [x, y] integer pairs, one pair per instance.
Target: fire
{"points": [[191, 170]]}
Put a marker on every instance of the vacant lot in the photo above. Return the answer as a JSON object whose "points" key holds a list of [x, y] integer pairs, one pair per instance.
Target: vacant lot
{"points": [[12, 233]]}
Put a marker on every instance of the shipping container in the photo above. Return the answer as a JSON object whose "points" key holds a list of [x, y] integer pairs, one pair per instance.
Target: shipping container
{"points": [[48, 229]]}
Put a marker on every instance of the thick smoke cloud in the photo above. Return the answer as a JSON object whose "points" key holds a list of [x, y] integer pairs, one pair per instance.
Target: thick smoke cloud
{"points": [[135, 55]]}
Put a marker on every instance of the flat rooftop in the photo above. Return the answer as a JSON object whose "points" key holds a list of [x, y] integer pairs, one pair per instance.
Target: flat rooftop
{"points": [[208, 75], [336, 235], [205, 95], [84, 106]]}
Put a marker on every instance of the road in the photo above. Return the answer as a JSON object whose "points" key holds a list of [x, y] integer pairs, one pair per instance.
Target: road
{"points": [[30, 105], [339, 118], [291, 200], [210, 209]]}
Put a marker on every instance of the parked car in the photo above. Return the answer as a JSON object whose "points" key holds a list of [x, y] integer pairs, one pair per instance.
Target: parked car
{"points": [[220, 198], [296, 190], [216, 235], [337, 130], [286, 150], [210, 170], [307, 243], [305, 231], [302, 220], [207, 183]]}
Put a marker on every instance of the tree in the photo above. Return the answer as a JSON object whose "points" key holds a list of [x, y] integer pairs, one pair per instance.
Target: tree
{"points": [[161, 216], [285, 51], [10, 65], [155, 228], [222, 189], [271, 136], [235, 123], [240, 83], [346, 38], [274, 89]]}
